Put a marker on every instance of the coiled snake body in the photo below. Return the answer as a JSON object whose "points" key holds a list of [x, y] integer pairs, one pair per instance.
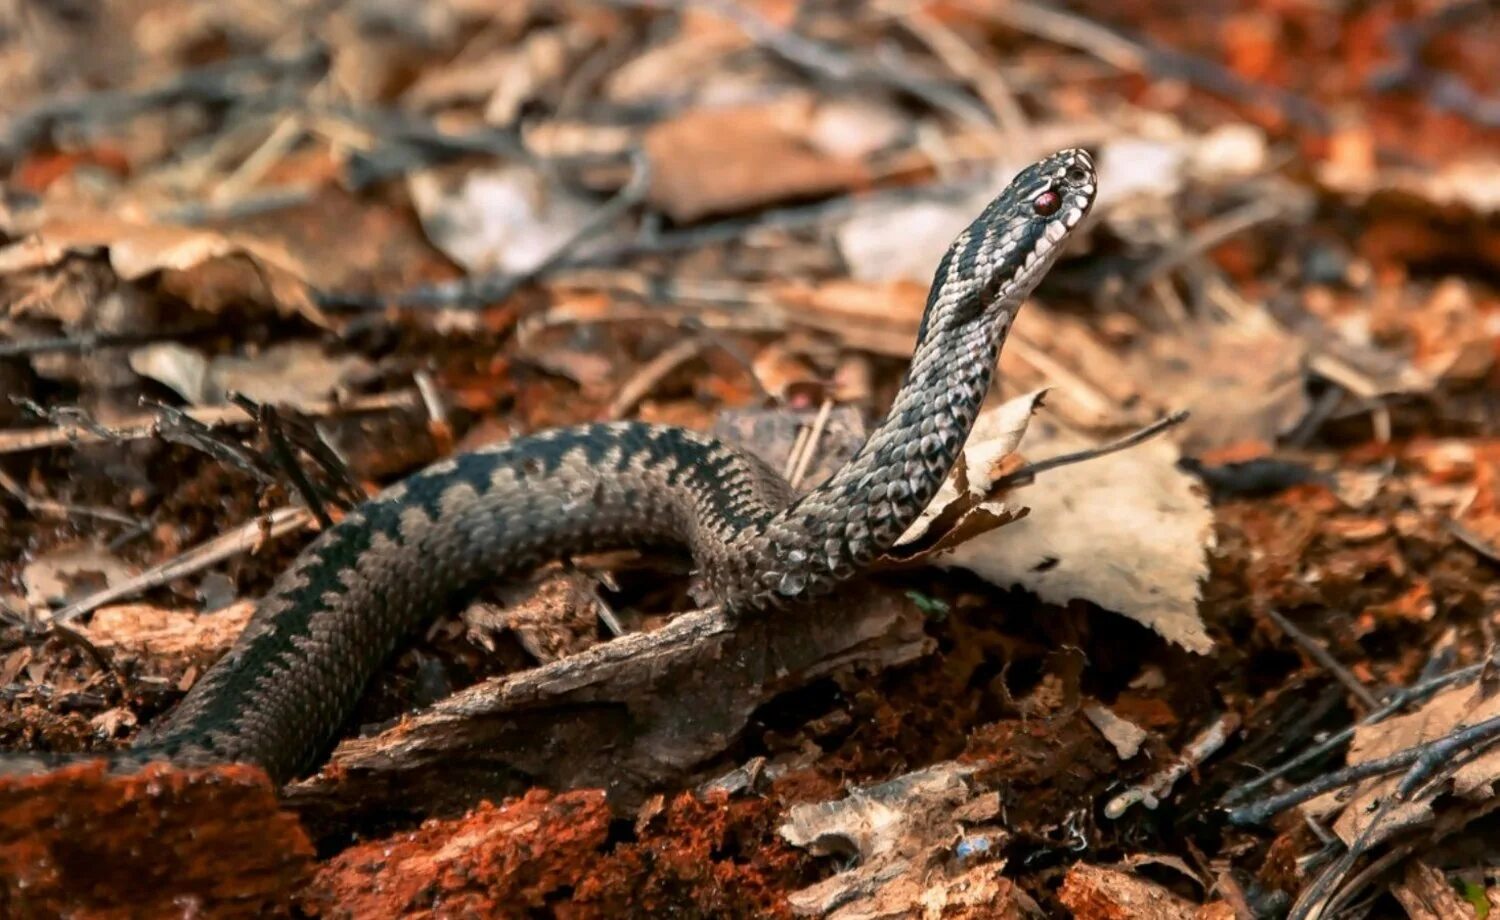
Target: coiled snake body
{"points": [[280, 695]]}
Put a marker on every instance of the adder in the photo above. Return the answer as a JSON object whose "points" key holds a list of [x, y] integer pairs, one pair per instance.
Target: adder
{"points": [[279, 696]]}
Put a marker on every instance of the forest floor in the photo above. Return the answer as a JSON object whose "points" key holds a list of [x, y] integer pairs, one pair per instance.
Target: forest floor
{"points": [[257, 262]]}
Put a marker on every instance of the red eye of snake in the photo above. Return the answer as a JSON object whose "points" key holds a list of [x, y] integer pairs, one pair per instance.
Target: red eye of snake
{"points": [[1047, 203]]}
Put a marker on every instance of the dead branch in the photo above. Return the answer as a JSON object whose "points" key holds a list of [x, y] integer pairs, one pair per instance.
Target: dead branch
{"points": [[631, 713]]}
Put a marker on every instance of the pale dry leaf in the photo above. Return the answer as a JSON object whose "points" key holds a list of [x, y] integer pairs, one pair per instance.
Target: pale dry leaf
{"points": [[180, 254], [56, 577], [728, 160], [856, 127], [297, 374], [1127, 531], [507, 219], [1126, 736], [1471, 183], [884, 241]]}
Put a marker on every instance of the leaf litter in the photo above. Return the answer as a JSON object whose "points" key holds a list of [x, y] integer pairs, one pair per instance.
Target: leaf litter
{"points": [[404, 227]]}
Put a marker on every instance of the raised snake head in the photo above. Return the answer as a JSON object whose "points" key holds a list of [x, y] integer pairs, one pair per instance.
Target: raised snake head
{"points": [[994, 264]]}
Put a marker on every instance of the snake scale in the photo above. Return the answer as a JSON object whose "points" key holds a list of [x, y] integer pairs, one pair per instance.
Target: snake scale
{"points": [[280, 695]]}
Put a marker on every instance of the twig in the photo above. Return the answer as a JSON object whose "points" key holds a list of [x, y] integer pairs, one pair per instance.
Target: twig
{"points": [[74, 427], [1203, 746], [810, 446], [214, 84], [281, 450], [432, 400], [1206, 237], [1137, 56], [252, 204], [1264, 811], [1026, 474], [180, 428], [831, 63], [66, 416], [648, 375], [1398, 701], [43, 506], [242, 539], [1323, 657], [87, 341], [102, 661]]}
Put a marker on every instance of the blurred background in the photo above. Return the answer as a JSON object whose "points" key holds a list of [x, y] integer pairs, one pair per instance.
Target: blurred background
{"points": [[373, 232]]}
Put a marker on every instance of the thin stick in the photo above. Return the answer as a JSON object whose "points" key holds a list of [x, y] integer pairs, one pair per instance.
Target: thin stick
{"points": [[1265, 810], [1203, 746], [44, 506], [810, 447], [1206, 237], [242, 539], [80, 431], [1026, 474], [648, 375], [1398, 701], [1323, 657], [281, 450]]}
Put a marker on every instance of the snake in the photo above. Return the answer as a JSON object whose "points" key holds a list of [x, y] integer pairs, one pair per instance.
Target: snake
{"points": [[279, 696]]}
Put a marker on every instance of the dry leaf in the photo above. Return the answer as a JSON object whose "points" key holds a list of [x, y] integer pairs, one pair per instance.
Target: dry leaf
{"points": [[1242, 380], [1361, 807], [208, 269], [508, 219], [995, 435], [724, 161], [1127, 531], [62, 575], [297, 374]]}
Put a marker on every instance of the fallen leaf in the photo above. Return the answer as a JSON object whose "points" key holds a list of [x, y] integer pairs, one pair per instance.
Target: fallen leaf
{"points": [[1127, 531], [1361, 808], [298, 374], [729, 160], [207, 268], [965, 493], [1240, 380], [63, 575], [508, 219]]}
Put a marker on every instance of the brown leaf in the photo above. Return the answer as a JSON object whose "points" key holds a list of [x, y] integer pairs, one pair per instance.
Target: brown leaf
{"points": [[724, 161]]}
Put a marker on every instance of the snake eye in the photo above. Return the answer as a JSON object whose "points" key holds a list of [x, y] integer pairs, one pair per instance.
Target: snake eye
{"points": [[1047, 203], [1077, 176]]}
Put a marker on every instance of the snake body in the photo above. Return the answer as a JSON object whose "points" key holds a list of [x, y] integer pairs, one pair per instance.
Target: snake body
{"points": [[280, 695]]}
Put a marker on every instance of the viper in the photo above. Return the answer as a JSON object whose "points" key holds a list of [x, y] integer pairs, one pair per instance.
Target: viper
{"points": [[280, 695]]}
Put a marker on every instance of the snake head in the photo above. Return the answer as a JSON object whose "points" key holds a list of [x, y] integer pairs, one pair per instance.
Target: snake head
{"points": [[994, 264]]}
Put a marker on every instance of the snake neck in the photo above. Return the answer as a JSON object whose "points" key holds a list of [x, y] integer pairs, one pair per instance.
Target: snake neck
{"points": [[835, 531]]}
